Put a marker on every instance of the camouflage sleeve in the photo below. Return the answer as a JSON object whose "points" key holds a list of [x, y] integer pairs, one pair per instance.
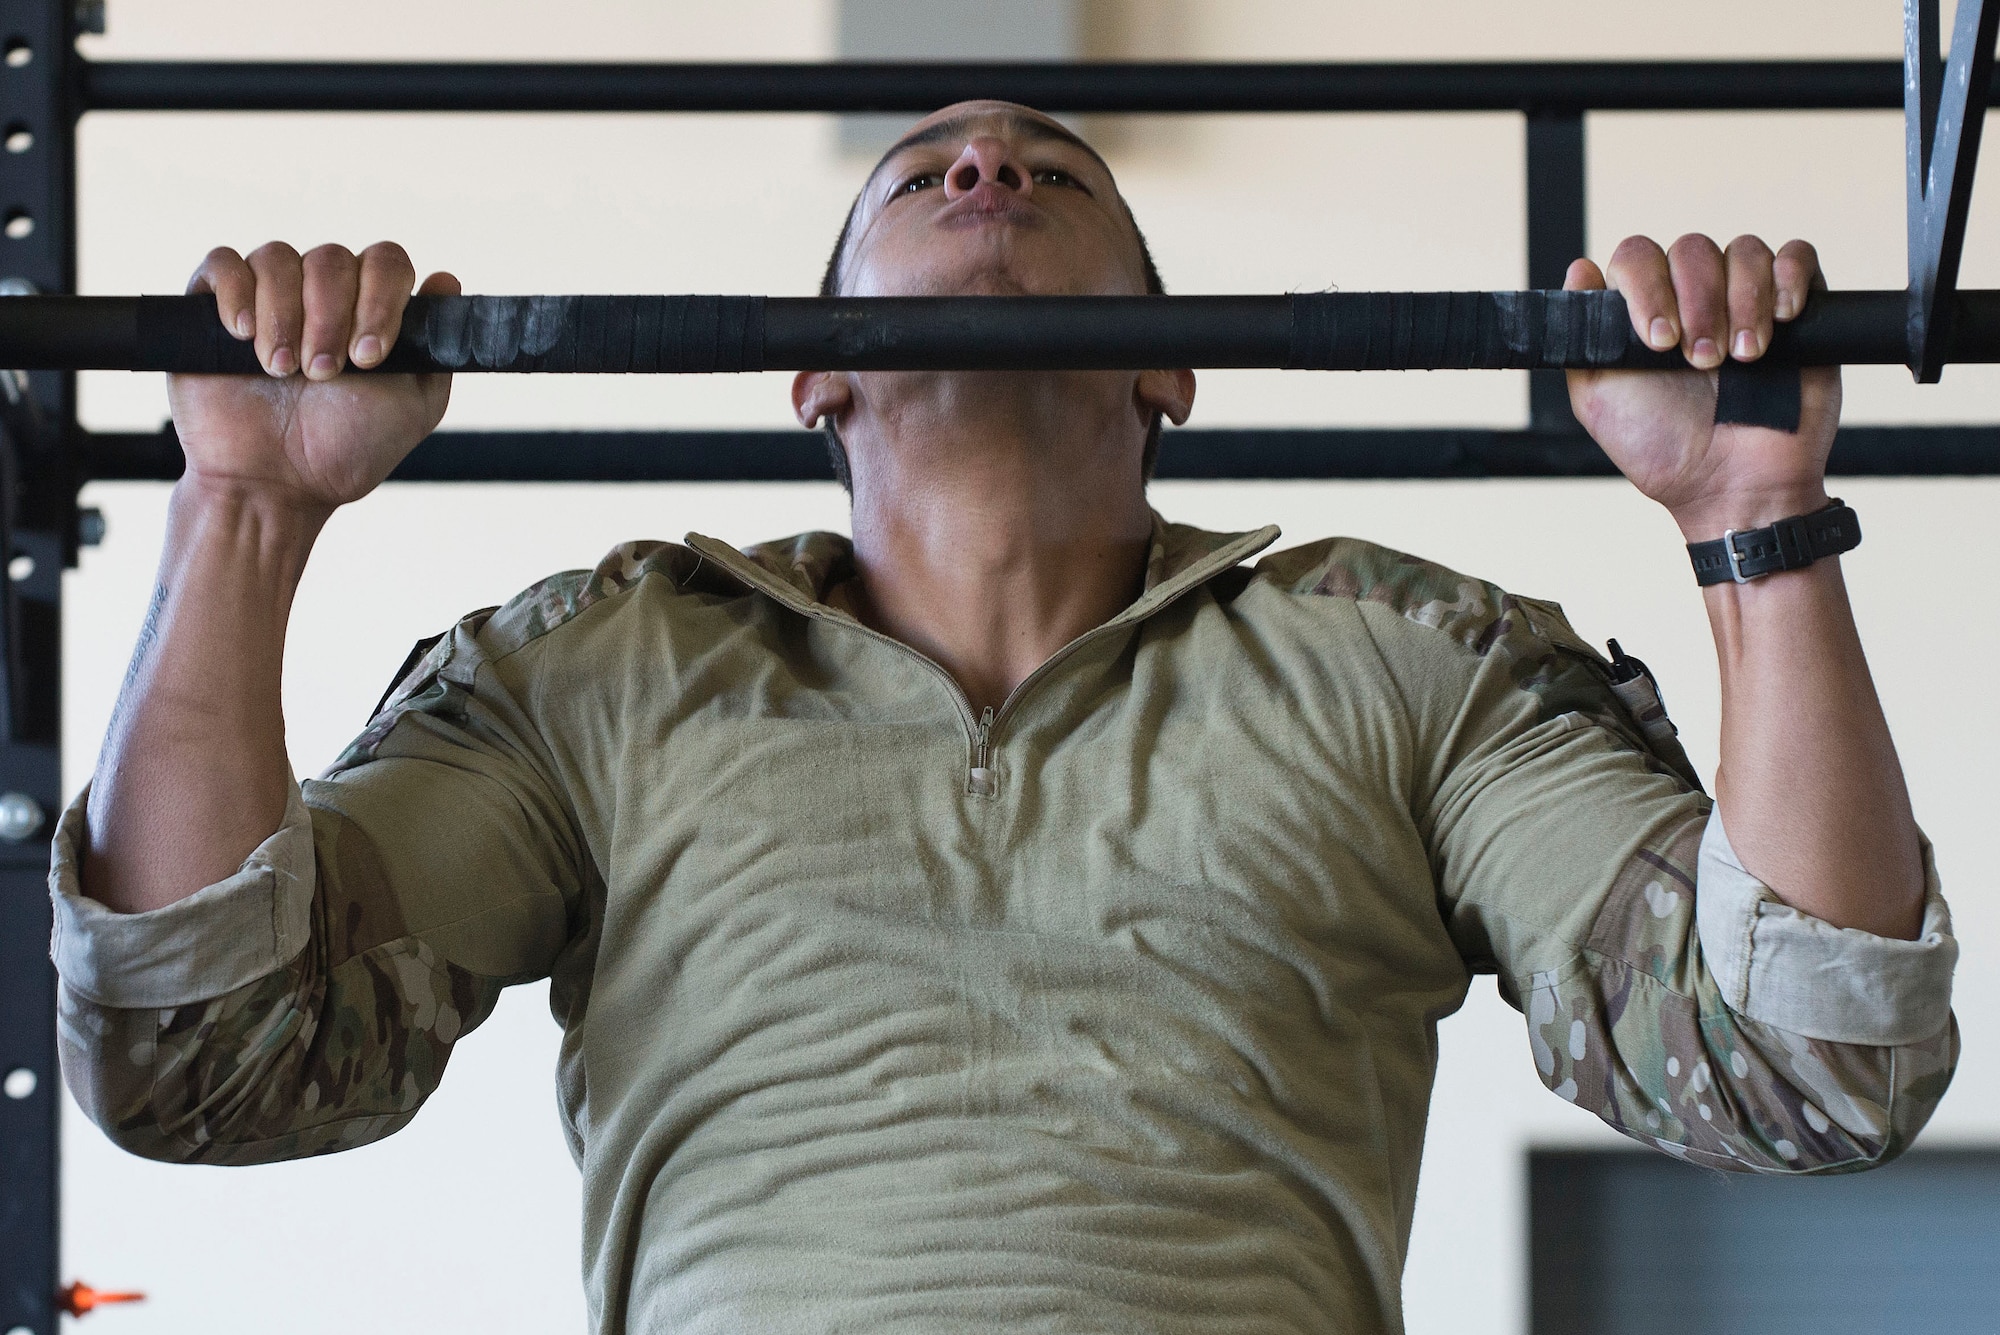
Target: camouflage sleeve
{"points": [[1704, 1016], [309, 1002], [1666, 990]]}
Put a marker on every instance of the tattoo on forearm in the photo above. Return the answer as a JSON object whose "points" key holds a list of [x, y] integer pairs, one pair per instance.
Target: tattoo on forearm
{"points": [[149, 633]]}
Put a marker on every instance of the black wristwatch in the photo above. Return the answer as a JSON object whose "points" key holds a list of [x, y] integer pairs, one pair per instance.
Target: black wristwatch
{"points": [[1741, 555]]}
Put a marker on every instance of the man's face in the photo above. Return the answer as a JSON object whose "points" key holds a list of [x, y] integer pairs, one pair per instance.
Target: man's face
{"points": [[991, 199]]}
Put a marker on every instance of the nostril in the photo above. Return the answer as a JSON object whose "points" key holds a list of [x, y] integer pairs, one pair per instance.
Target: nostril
{"points": [[1008, 177], [966, 177]]}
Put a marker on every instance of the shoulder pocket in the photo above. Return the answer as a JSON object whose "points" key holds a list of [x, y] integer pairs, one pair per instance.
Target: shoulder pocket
{"points": [[420, 652], [424, 668], [1638, 703]]}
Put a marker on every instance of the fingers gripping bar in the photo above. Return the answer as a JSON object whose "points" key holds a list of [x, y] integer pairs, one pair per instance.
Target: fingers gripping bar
{"points": [[1357, 331], [618, 335]]}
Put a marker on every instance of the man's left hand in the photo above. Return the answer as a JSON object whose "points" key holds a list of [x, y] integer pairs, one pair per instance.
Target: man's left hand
{"points": [[1659, 426]]}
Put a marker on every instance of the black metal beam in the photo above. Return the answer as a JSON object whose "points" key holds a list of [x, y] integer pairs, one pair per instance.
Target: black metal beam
{"points": [[1741, 85], [37, 252], [1276, 453], [1557, 234], [1944, 113]]}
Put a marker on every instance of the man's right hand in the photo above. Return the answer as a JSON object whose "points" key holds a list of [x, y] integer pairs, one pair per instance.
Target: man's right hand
{"points": [[307, 435]]}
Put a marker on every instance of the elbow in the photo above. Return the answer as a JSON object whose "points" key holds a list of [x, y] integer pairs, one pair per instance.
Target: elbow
{"points": [[1806, 1106]]}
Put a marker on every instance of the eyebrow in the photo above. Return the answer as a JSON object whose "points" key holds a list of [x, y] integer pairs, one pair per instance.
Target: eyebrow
{"points": [[1027, 127]]}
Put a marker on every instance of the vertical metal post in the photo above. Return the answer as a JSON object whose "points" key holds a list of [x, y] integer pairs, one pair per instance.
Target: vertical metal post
{"points": [[37, 252], [1556, 222], [1944, 110]]}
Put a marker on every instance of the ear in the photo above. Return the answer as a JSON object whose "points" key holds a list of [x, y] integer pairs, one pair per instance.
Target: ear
{"points": [[817, 394], [1169, 392]]}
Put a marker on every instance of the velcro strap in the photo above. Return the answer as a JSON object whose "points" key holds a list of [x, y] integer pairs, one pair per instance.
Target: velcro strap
{"points": [[1758, 394]]}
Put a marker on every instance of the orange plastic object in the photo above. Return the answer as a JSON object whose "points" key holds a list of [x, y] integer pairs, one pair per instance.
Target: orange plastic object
{"points": [[80, 1298]]}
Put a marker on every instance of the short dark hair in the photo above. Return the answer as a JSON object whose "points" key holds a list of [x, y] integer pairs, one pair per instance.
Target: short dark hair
{"points": [[829, 286]]}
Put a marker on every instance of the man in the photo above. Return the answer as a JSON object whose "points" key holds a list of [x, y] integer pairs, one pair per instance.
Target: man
{"points": [[1026, 916]]}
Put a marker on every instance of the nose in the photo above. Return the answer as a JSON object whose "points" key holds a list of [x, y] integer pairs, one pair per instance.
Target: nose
{"points": [[986, 158]]}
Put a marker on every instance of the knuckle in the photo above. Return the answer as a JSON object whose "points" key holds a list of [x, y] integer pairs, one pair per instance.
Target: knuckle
{"points": [[1695, 246], [274, 252], [388, 252], [1798, 257], [385, 292], [1635, 249], [329, 260], [1750, 278], [1802, 265], [1700, 281], [1747, 247]]}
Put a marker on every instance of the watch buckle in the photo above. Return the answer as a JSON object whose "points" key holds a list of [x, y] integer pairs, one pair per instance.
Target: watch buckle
{"points": [[1735, 558]]}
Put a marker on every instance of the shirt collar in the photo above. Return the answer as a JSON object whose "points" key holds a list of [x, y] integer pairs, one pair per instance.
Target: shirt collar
{"points": [[798, 571]]}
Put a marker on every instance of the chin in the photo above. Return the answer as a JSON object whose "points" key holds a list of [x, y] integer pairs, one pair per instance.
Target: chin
{"points": [[991, 285], [983, 279], [992, 281]]}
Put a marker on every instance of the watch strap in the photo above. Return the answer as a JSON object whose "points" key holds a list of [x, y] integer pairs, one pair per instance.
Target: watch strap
{"points": [[1741, 555]]}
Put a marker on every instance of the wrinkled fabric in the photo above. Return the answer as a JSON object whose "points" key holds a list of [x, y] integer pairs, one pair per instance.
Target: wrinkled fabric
{"points": [[1790, 970], [1133, 1032]]}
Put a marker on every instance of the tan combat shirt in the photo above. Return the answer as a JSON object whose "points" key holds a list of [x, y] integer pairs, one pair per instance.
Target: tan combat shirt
{"points": [[1112, 1012]]}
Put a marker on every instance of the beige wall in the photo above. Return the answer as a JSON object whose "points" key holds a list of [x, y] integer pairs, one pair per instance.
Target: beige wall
{"points": [[467, 1220]]}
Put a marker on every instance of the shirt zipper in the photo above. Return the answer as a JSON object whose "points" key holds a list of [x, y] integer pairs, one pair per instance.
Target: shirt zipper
{"points": [[981, 781]]}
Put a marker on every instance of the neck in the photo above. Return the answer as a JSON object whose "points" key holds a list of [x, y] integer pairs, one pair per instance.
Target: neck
{"points": [[995, 522]]}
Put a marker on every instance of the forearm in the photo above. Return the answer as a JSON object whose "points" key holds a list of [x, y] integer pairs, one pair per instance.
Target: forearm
{"points": [[194, 772], [1810, 788]]}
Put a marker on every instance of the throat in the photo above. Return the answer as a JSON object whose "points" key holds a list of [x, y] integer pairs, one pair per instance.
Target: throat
{"points": [[991, 624], [997, 516]]}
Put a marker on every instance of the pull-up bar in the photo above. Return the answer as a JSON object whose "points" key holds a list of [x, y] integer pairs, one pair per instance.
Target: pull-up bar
{"points": [[1069, 86], [1322, 331]]}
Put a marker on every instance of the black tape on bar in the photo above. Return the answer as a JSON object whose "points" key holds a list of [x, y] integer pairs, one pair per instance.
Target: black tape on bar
{"points": [[609, 334], [612, 335], [701, 334], [185, 334], [1370, 331]]}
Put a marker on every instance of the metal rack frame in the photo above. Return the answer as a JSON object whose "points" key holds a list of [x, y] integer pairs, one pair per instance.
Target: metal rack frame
{"points": [[46, 456]]}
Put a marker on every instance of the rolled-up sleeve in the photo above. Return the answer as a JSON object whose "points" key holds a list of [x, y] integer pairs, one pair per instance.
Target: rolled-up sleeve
{"points": [[222, 937], [308, 1002], [1666, 989], [1827, 1057], [1785, 968]]}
